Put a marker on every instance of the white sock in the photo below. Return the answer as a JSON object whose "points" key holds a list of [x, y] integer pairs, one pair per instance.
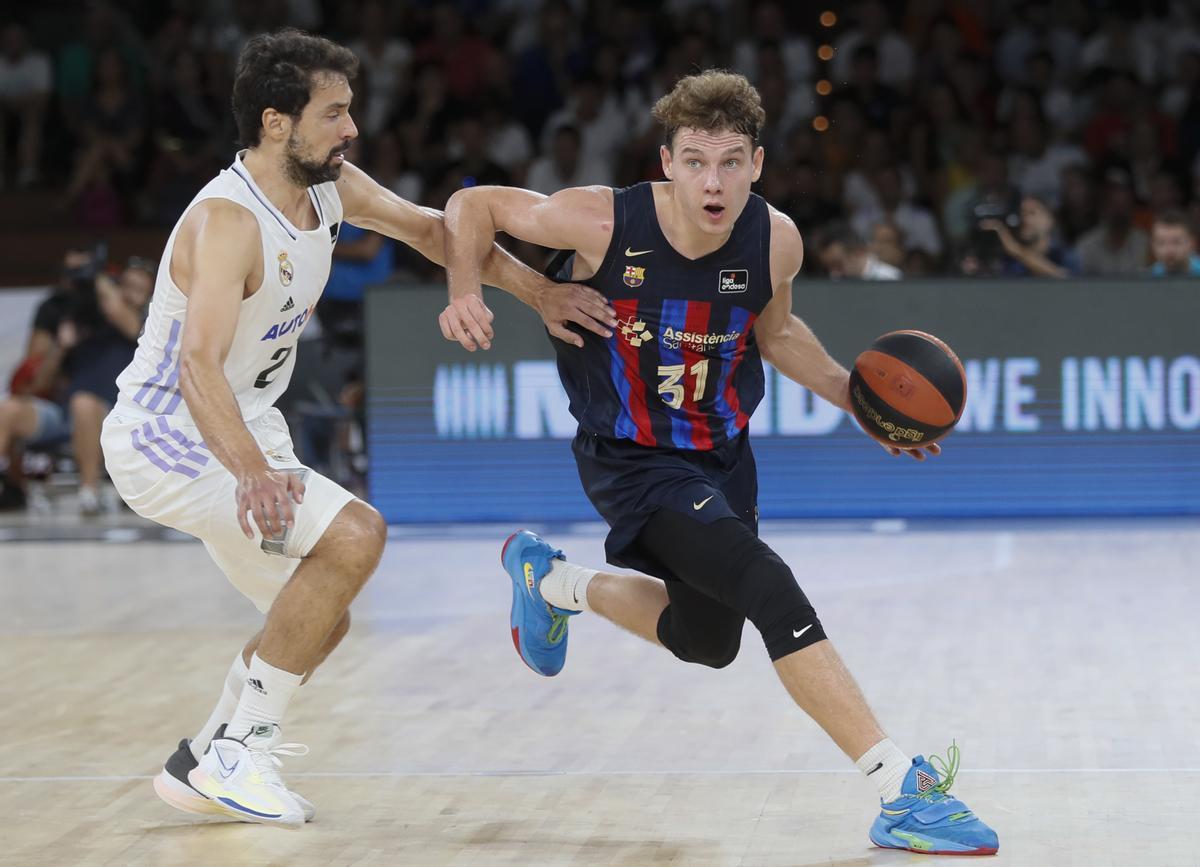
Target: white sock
{"points": [[265, 697], [566, 585], [223, 712], [887, 766]]}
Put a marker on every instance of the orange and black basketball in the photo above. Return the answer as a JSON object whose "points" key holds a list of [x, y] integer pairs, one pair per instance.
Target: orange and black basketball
{"points": [[908, 389]]}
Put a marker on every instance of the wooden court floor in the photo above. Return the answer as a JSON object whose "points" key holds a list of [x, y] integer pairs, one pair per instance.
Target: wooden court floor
{"points": [[1062, 658]]}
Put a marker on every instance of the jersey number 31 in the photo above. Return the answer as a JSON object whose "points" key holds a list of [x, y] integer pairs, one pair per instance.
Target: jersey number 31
{"points": [[671, 389]]}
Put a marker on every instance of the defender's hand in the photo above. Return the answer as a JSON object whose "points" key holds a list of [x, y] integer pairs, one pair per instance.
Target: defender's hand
{"points": [[267, 494], [469, 321], [561, 303]]}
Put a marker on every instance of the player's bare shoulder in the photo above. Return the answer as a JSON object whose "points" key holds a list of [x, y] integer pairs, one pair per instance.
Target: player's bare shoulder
{"points": [[593, 203], [594, 199], [787, 247], [587, 215], [217, 224]]}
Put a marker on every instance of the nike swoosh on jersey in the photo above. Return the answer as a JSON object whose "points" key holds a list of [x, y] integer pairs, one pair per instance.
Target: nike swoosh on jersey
{"points": [[700, 505], [631, 252]]}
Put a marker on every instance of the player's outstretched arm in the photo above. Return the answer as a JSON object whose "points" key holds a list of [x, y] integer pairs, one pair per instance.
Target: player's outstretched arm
{"points": [[789, 344], [467, 319], [578, 219], [219, 247]]}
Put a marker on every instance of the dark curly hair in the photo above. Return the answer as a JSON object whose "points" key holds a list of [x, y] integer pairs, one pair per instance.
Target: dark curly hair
{"points": [[275, 70]]}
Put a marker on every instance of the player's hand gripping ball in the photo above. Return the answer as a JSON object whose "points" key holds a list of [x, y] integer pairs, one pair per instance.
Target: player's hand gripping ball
{"points": [[908, 390]]}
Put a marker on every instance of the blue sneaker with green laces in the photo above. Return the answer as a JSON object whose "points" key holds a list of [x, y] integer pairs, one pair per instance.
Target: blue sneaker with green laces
{"points": [[539, 630], [926, 819]]}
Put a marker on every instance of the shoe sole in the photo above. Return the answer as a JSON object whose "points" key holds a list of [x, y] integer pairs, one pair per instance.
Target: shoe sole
{"points": [[938, 852], [239, 814], [941, 853], [185, 799], [516, 606]]}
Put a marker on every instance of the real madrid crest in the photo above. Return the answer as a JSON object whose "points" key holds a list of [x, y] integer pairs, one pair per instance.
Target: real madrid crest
{"points": [[285, 268], [634, 276]]}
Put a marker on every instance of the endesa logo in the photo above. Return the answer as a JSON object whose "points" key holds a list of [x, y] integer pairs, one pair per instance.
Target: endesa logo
{"points": [[293, 324]]}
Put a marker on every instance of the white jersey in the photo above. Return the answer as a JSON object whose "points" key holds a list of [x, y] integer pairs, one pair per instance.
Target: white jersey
{"points": [[263, 353]]}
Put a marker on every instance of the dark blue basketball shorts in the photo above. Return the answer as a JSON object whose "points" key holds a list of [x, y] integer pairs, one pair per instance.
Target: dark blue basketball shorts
{"points": [[628, 483]]}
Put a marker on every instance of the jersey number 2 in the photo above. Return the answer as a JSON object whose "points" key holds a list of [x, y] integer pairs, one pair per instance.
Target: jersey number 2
{"points": [[280, 356]]}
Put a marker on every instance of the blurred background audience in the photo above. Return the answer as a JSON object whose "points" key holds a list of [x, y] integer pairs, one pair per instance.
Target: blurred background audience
{"points": [[917, 138], [933, 117]]}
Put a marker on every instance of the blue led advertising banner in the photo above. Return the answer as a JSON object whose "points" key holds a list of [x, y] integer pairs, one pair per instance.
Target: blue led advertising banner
{"points": [[1083, 399]]}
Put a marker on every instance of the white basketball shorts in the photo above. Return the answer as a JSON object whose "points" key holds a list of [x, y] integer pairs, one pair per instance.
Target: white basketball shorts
{"points": [[164, 472]]}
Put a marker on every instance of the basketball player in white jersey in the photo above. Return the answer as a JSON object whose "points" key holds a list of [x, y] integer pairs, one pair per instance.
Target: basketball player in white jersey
{"points": [[194, 442]]}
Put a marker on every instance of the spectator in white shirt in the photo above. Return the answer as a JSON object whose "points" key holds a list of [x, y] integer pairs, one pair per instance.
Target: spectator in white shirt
{"points": [[1036, 167], [603, 127], [874, 28], [565, 166], [914, 222], [509, 143], [385, 63], [24, 90], [1116, 246], [770, 25], [845, 255], [1120, 44]]}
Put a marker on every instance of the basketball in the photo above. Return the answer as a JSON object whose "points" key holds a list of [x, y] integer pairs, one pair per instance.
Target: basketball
{"points": [[908, 389]]}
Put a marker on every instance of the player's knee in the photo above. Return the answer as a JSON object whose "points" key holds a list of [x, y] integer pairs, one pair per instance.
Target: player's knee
{"points": [[715, 647], [719, 654], [708, 654], [353, 543], [374, 528], [365, 533], [773, 601]]}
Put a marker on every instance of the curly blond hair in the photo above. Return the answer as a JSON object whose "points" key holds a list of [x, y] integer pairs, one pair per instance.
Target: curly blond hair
{"points": [[711, 100]]}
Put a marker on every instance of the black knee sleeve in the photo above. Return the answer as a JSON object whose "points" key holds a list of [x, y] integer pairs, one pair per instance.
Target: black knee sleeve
{"points": [[727, 563], [767, 593], [714, 644]]}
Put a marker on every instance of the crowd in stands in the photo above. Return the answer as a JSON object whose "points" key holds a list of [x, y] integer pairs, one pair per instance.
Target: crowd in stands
{"points": [[1006, 137], [906, 139], [949, 137], [82, 336]]}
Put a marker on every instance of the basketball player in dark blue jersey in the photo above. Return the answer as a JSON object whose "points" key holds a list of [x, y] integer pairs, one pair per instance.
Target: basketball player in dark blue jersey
{"points": [[699, 272]]}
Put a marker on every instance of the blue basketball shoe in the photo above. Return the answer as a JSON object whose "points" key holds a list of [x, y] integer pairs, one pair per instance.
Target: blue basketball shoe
{"points": [[539, 630], [926, 819]]}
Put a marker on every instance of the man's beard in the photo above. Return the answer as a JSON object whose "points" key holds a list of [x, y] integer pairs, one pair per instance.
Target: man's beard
{"points": [[305, 174]]}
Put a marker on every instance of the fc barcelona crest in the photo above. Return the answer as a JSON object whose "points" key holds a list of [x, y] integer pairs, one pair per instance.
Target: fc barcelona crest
{"points": [[634, 276]]}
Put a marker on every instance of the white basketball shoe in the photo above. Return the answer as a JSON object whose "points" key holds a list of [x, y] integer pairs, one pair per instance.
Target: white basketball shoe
{"points": [[244, 779], [173, 786]]}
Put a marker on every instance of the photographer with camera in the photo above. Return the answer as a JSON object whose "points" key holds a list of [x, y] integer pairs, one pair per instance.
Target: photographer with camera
{"points": [[1030, 248], [83, 335], [34, 414]]}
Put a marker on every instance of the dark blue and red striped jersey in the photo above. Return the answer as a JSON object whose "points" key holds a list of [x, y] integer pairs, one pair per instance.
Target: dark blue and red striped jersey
{"points": [[682, 369]]}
